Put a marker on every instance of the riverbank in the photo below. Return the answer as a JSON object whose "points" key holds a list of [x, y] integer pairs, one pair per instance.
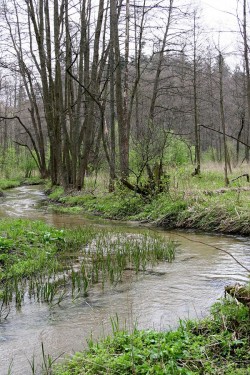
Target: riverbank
{"points": [[199, 203], [218, 344], [12, 183]]}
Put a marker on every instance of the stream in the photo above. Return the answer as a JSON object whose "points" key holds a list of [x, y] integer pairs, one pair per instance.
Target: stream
{"points": [[183, 289]]}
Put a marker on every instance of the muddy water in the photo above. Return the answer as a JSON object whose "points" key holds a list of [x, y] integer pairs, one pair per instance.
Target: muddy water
{"points": [[158, 299]]}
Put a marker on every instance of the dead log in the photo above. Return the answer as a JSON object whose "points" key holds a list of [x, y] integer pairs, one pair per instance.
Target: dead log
{"points": [[134, 188], [243, 175], [225, 190]]}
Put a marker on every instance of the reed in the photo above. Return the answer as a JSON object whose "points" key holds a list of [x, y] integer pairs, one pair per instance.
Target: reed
{"points": [[109, 254]]}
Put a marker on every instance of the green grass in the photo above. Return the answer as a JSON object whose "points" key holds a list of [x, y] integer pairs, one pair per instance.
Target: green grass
{"points": [[228, 212], [7, 184], [31, 253], [217, 345], [12, 183], [26, 247]]}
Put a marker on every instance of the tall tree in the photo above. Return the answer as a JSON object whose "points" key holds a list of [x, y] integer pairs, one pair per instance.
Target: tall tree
{"points": [[195, 92], [223, 121], [123, 132], [247, 67]]}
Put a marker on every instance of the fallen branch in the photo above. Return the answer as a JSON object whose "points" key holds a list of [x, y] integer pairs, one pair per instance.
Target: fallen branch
{"points": [[243, 175], [134, 188], [225, 190], [217, 248], [227, 135], [214, 247]]}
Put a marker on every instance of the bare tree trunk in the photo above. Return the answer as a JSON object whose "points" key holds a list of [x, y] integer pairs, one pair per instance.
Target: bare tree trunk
{"points": [[28, 81], [238, 137], [196, 115], [246, 58], [112, 112], [51, 86], [159, 66], [155, 90], [91, 99], [122, 125], [138, 55], [223, 123]]}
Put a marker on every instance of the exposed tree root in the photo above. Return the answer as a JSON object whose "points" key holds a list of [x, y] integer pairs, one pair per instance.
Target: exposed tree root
{"points": [[240, 292]]}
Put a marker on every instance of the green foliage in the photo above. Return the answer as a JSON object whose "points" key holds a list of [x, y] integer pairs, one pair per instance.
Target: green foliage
{"points": [[17, 163], [33, 180], [28, 247], [7, 184], [118, 205], [227, 212], [124, 203], [161, 205], [216, 345], [56, 193], [177, 152], [210, 155], [190, 202], [168, 151], [27, 164]]}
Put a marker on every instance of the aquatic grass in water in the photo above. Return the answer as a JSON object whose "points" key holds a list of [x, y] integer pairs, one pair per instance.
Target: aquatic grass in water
{"points": [[110, 254], [44, 263]]}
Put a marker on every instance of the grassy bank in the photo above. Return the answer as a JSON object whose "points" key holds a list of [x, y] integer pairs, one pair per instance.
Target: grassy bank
{"points": [[12, 183], [217, 345], [200, 203]]}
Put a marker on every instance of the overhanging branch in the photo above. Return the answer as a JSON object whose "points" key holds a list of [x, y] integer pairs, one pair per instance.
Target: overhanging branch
{"points": [[227, 135]]}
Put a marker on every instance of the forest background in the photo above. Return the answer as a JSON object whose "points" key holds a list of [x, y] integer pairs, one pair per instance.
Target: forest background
{"points": [[128, 87]]}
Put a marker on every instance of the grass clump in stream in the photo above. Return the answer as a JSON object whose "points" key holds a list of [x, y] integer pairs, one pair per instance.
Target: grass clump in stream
{"points": [[110, 254], [217, 345], [31, 254], [44, 263]]}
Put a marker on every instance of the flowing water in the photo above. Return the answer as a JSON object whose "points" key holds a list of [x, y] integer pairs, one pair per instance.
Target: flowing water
{"points": [[157, 299]]}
